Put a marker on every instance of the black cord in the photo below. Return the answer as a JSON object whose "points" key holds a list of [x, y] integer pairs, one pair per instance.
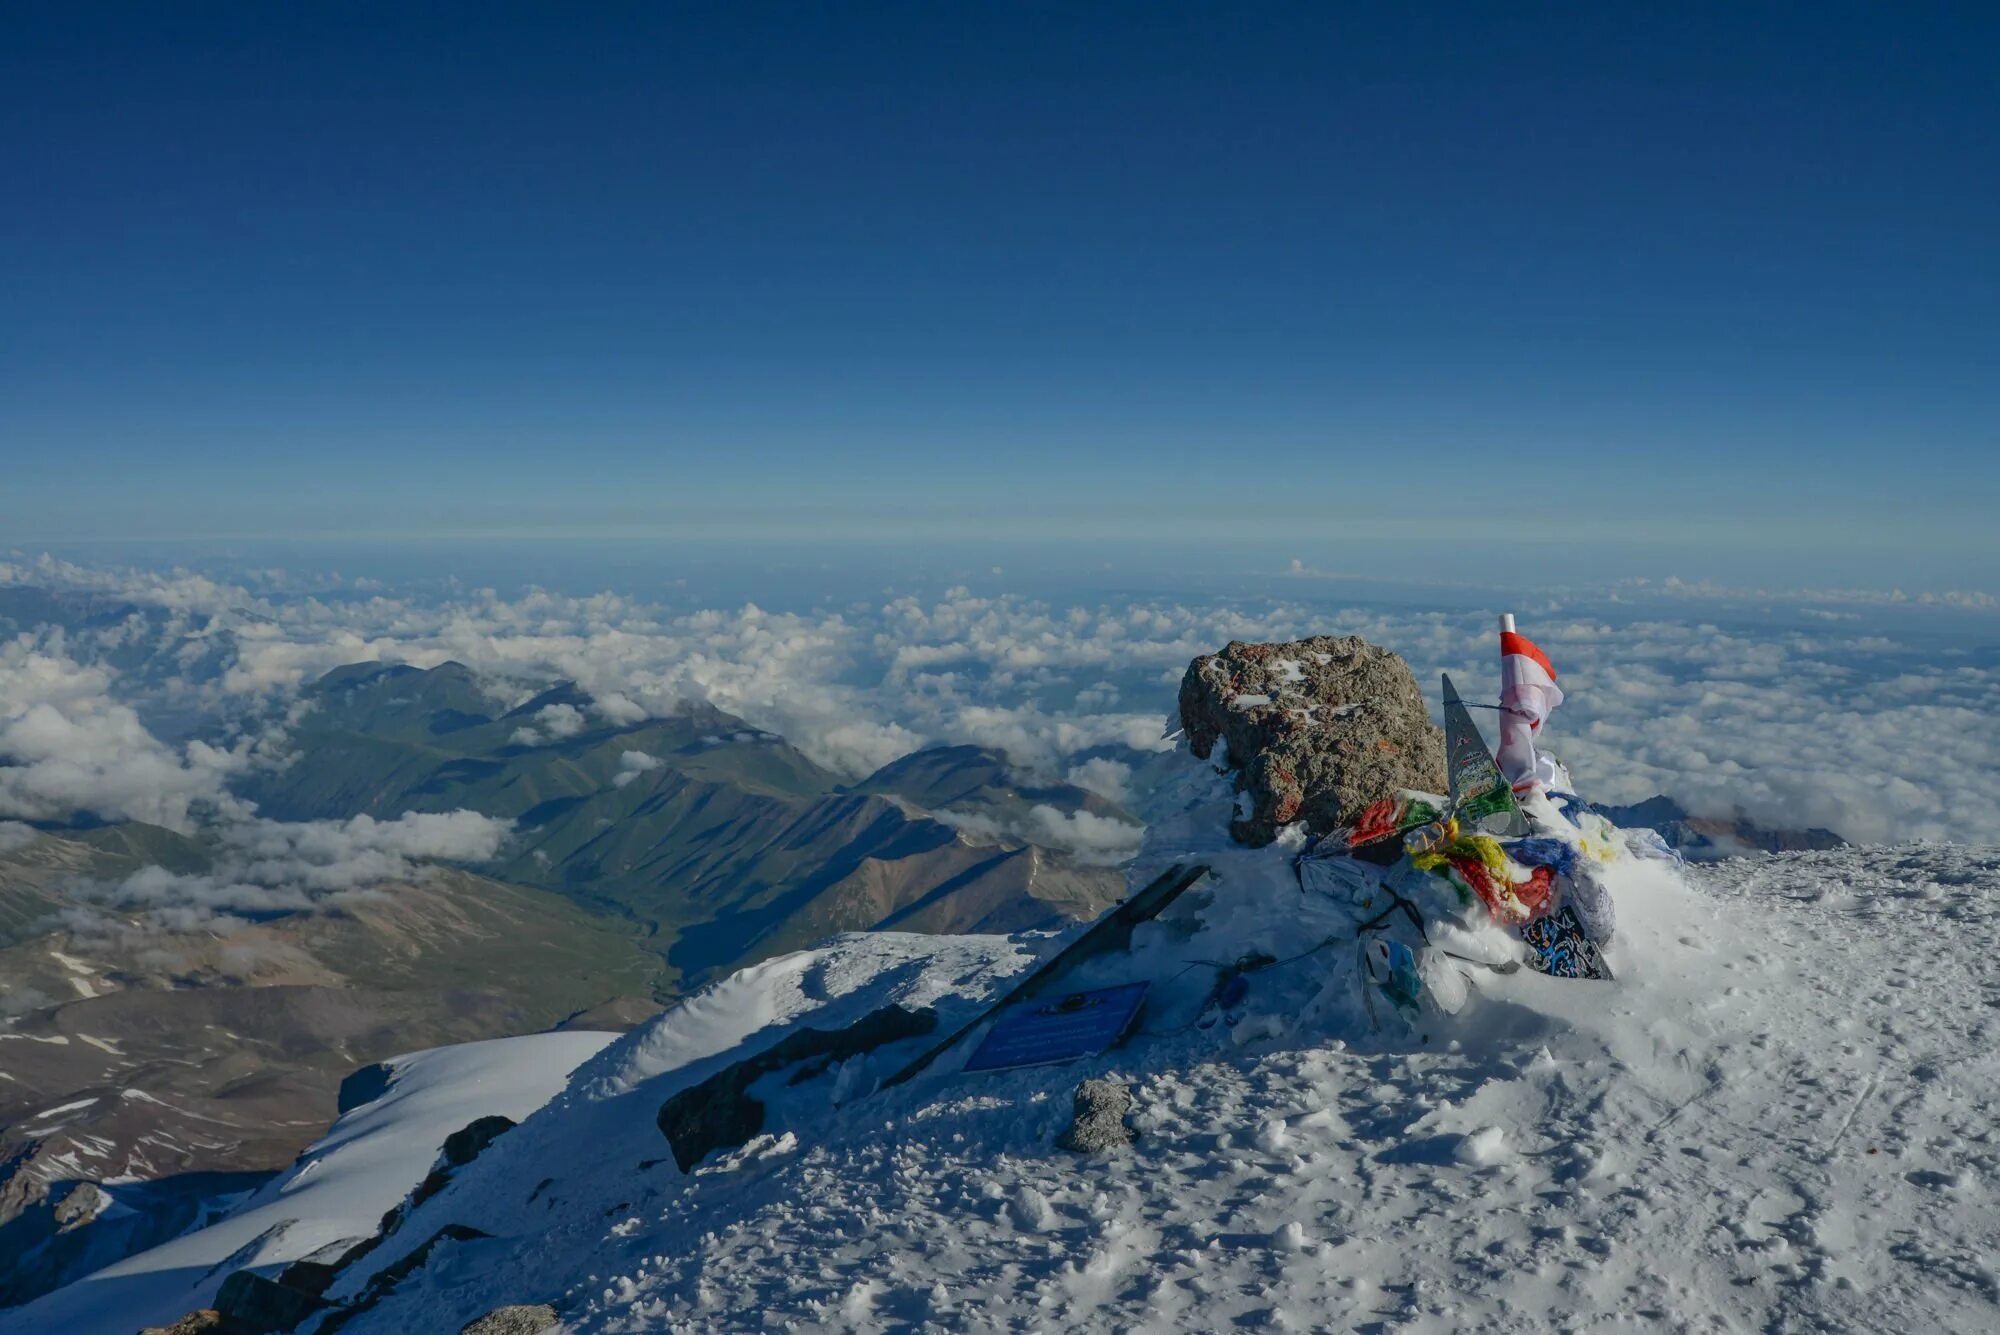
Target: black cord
{"points": [[1498, 709]]}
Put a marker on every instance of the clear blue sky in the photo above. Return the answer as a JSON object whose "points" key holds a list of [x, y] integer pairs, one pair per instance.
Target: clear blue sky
{"points": [[1717, 274]]}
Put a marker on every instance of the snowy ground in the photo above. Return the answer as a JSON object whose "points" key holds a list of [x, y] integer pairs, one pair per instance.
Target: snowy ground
{"points": [[1776, 1119]]}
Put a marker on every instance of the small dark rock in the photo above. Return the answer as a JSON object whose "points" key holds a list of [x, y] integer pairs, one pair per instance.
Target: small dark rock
{"points": [[528, 1320], [314, 1277], [464, 1145], [1098, 1122], [207, 1321], [363, 1086]]}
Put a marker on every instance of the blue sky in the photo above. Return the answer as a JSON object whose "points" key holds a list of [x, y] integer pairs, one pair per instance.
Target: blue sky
{"points": [[1718, 286]]}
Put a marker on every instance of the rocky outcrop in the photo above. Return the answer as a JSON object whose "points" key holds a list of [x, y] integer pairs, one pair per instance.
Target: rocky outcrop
{"points": [[250, 1302], [1316, 730], [1098, 1119], [467, 1143], [721, 1113], [384, 1281], [362, 1086], [460, 1148]]}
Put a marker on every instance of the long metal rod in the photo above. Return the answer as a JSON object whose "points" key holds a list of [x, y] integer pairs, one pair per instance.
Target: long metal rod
{"points": [[1112, 931]]}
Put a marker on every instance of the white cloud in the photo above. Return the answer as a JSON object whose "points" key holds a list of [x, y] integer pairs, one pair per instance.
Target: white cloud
{"points": [[342, 854], [1092, 839], [277, 866], [67, 747], [618, 711], [552, 724], [560, 721], [631, 764], [1106, 777], [1876, 735]]}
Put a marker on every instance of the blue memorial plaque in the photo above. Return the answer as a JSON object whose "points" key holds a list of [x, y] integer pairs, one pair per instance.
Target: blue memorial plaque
{"points": [[1045, 1031]]}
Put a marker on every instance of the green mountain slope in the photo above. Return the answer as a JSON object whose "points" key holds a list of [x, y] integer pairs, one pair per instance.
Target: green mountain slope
{"points": [[726, 842]]}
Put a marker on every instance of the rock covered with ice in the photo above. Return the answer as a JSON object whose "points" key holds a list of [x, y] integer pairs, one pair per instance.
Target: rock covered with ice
{"points": [[1316, 729]]}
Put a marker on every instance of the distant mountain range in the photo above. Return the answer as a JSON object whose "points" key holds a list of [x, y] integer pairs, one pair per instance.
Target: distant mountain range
{"points": [[723, 841], [1707, 839]]}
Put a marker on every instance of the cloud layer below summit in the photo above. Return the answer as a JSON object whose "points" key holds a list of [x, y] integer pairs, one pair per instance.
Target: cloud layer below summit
{"points": [[1878, 734]]}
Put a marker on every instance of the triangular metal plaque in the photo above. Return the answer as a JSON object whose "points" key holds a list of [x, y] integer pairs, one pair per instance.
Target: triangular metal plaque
{"points": [[1481, 797]]}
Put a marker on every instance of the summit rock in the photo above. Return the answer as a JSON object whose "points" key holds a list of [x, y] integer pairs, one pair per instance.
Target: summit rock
{"points": [[1315, 729]]}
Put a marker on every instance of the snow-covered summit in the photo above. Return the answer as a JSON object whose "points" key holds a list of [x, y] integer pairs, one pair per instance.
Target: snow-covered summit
{"points": [[1774, 1117]]}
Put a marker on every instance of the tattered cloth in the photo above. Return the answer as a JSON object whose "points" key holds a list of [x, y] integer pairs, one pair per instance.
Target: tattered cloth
{"points": [[1479, 865], [1542, 851], [1406, 811]]}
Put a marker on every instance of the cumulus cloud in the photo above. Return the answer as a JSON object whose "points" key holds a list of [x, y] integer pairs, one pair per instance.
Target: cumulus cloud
{"points": [[631, 764], [174, 590], [855, 689], [552, 724], [618, 711], [278, 866], [1107, 778], [338, 855], [68, 747], [1091, 839]]}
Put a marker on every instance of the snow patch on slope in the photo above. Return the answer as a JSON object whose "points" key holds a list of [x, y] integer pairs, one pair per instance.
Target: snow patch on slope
{"points": [[335, 1194]]}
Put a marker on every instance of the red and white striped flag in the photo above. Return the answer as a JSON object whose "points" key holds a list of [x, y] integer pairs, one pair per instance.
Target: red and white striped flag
{"points": [[1528, 694]]}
